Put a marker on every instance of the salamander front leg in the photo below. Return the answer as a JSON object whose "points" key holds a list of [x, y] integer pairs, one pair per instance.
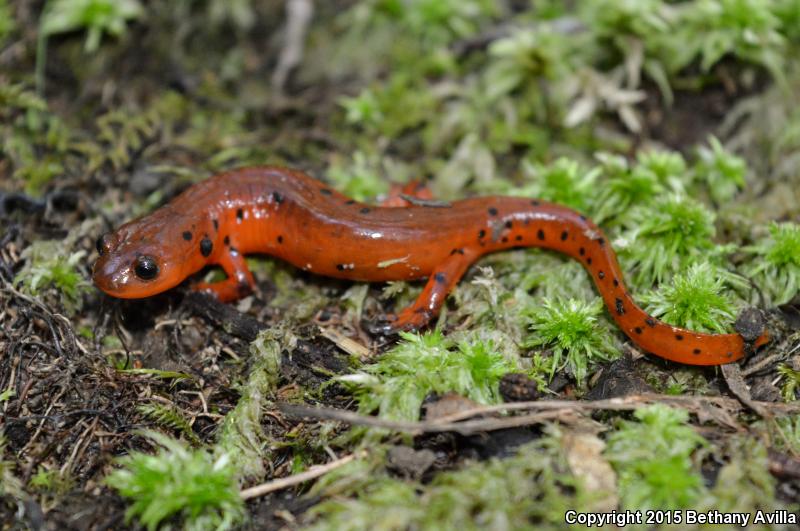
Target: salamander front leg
{"points": [[240, 281], [430, 301]]}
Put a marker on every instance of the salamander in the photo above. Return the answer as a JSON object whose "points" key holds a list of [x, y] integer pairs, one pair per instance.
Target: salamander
{"points": [[289, 215]]}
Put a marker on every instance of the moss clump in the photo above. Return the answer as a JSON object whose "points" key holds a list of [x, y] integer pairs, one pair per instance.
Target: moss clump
{"points": [[193, 485], [653, 459], [696, 299], [666, 237], [531, 488], [570, 331], [397, 384], [776, 263], [50, 266]]}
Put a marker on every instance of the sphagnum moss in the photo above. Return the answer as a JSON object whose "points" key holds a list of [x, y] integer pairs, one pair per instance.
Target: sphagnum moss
{"points": [[192, 484], [696, 299], [653, 459], [775, 266], [397, 384], [569, 330]]}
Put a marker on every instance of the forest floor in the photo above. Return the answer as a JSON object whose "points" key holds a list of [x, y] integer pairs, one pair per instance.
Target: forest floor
{"points": [[692, 168]]}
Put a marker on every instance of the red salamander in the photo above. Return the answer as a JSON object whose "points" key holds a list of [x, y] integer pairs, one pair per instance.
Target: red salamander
{"points": [[287, 214]]}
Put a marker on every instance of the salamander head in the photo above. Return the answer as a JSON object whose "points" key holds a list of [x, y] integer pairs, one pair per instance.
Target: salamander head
{"points": [[148, 256]]}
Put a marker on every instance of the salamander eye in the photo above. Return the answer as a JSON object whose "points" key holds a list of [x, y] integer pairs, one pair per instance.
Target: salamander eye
{"points": [[103, 244], [146, 267]]}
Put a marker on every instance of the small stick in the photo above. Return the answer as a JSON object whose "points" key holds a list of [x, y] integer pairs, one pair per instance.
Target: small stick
{"points": [[312, 473]]}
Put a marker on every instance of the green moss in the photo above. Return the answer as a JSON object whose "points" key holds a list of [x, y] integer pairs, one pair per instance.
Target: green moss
{"points": [[169, 417], [652, 458], [571, 333], [531, 489], [565, 181], [10, 484], [191, 484], [241, 436], [775, 266], [712, 29], [34, 140], [744, 483], [51, 482], [697, 299], [790, 382], [789, 438], [50, 266], [361, 177], [95, 16], [666, 237], [7, 23], [721, 172], [397, 384], [624, 186]]}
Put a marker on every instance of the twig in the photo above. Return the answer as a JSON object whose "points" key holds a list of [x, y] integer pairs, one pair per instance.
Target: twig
{"points": [[434, 426], [764, 363], [312, 473], [548, 409]]}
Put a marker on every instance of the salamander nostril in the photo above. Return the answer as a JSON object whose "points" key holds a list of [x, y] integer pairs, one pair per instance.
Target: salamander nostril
{"points": [[103, 244], [146, 267]]}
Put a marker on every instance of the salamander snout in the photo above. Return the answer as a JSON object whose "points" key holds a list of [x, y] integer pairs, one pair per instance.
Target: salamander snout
{"points": [[126, 276], [130, 271]]}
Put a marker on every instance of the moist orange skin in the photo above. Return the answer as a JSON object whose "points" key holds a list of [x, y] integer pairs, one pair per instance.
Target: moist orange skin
{"points": [[287, 214]]}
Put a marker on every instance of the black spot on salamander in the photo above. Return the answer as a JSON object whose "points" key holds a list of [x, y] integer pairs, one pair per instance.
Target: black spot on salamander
{"points": [[340, 267], [325, 191], [492, 211], [696, 352], [616, 282], [505, 239], [540, 234], [350, 202], [638, 330], [243, 288], [280, 239], [365, 210], [216, 223], [583, 218], [277, 197], [601, 241], [227, 240], [601, 275], [564, 236], [509, 224], [457, 251], [729, 354], [619, 306], [187, 235], [650, 322], [589, 261], [679, 337], [481, 234], [239, 214], [206, 246], [581, 251], [536, 203], [519, 237], [440, 278]]}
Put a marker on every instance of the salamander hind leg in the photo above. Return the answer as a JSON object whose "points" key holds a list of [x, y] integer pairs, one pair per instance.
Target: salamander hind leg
{"points": [[240, 281], [403, 195], [442, 280]]}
